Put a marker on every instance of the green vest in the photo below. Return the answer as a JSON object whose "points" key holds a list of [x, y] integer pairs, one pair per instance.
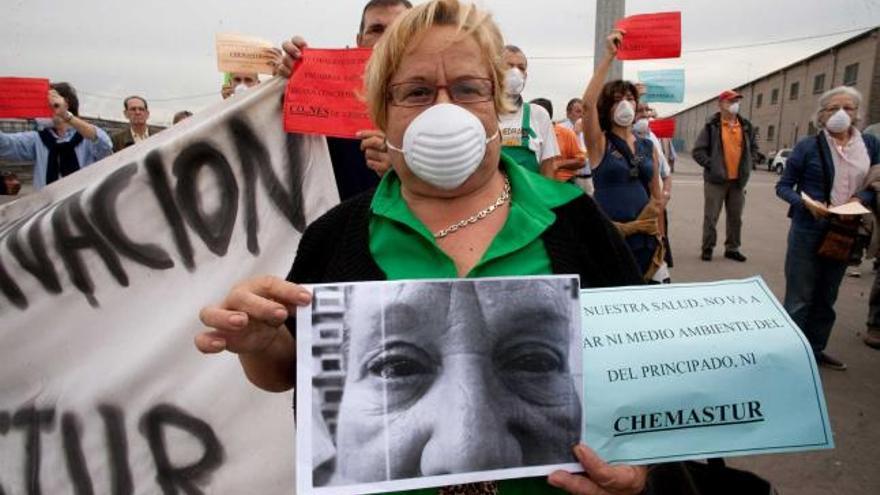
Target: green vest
{"points": [[522, 154]]}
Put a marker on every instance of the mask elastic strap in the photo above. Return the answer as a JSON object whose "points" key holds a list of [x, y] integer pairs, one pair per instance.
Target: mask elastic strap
{"points": [[488, 140]]}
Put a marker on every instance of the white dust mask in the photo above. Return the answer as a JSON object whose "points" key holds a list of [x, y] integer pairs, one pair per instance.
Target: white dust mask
{"points": [[733, 108], [839, 122], [624, 114], [444, 145], [641, 127], [241, 88], [514, 82]]}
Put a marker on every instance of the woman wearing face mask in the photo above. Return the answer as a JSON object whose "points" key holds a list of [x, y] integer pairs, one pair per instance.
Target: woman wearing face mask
{"points": [[830, 168], [625, 168], [451, 206]]}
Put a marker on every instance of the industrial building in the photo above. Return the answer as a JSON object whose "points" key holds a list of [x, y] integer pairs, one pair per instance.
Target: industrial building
{"points": [[781, 105]]}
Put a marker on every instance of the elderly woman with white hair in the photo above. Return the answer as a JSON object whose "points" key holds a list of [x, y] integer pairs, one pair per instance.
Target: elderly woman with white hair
{"points": [[830, 168]]}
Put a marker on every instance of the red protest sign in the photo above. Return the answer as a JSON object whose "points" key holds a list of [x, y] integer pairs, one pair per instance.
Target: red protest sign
{"points": [[650, 36], [663, 128], [24, 98], [323, 94]]}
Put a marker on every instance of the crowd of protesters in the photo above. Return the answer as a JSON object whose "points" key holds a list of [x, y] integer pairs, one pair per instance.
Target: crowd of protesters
{"points": [[599, 167]]}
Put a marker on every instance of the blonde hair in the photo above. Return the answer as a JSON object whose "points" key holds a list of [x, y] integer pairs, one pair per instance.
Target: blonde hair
{"points": [[403, 34]]}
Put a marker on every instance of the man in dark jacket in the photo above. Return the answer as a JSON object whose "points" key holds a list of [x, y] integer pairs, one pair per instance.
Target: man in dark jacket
{"points": [[726, 149], [136, 112]]}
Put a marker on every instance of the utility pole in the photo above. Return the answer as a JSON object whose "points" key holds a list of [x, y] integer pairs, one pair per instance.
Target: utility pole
{"points": [[607, 13]]}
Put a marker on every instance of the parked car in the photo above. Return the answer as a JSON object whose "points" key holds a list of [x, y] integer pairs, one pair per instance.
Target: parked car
{"points": [[777, 164], [769, 162]]}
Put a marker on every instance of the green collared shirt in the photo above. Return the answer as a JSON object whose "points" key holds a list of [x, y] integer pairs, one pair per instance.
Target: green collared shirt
{"points": [[405, 249]]}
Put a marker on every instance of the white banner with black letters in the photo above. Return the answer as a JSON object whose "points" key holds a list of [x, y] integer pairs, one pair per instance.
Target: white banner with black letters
{"points": [[102, 277]]}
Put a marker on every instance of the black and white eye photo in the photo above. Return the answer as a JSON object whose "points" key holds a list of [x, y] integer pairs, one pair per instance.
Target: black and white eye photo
{"points": [[433, 382]]}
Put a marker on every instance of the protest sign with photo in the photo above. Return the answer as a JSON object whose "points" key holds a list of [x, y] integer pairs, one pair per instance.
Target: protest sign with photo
{"points": [[103, 274], [377, 361]]}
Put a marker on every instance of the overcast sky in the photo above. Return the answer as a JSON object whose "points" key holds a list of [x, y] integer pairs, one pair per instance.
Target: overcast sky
{"points": [[164, 49]]}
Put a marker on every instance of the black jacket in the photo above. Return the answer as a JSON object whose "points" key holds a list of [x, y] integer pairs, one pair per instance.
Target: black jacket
{"points": [[709, 152], [582, 241]]}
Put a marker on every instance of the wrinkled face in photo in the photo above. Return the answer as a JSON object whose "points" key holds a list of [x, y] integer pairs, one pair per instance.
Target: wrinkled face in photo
{"points": [[448, 378]]}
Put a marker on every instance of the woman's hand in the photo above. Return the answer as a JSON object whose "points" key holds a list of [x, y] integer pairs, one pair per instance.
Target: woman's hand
{"points": [[816, 210], [375, 150], [613, 41], [292, 52], [600, 478], [251, 316]]}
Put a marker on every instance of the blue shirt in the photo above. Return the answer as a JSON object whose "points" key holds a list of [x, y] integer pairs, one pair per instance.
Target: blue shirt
{"points": [[27, 147]]}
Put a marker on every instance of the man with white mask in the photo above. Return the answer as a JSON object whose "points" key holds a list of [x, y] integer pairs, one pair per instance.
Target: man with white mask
{"points": [[726, 149], [526, 133], [238, 82]]}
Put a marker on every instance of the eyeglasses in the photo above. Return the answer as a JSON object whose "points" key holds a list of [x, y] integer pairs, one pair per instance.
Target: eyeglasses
{"points": [[845, 108], [421, 94]]}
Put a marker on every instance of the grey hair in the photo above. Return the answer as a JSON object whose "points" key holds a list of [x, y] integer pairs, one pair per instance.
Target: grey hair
{"points": [[853, 93]]}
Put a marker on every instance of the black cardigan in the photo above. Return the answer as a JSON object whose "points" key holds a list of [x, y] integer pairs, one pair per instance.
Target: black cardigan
{"points": [[582, 241]]}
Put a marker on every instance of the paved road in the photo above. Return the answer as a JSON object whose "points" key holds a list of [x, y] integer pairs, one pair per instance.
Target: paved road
{"points": [[853, 396]]}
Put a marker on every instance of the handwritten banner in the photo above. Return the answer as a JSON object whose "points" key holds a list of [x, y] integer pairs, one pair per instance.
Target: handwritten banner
{"points": [[650, 36], [662, 86], [24, 98], [663, 128], [237, 53], [102, 275], [691, 371], [324, 93]]}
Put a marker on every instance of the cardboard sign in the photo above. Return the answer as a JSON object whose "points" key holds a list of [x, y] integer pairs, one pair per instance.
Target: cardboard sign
{"points": [[324, 93], [650, 36], [24, 98], [663, 128], [237, 53], [662, 86]]}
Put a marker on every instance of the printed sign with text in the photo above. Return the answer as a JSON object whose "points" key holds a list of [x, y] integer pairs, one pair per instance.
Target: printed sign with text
{"points": [[692, 371], [237, 53], [650, 36], [662, 86], [324, 95]]}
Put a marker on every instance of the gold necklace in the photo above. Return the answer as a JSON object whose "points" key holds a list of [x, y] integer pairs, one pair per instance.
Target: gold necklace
{"points": [[476, 217]]}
